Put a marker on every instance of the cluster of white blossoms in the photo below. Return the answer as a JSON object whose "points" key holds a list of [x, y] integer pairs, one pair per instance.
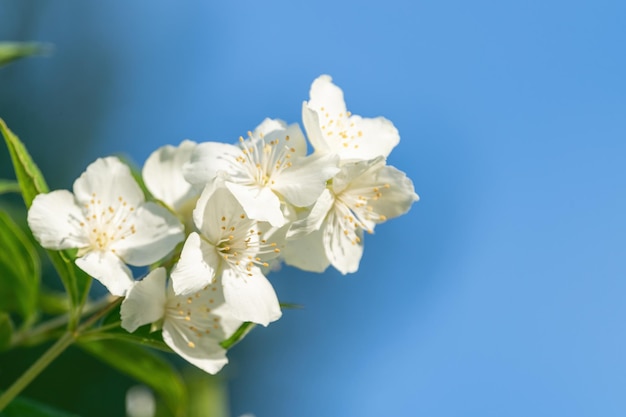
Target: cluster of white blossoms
{"points": [[239, 209]]}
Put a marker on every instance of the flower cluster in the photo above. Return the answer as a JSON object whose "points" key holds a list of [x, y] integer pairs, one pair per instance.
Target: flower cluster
{"points": [[236, 211]]}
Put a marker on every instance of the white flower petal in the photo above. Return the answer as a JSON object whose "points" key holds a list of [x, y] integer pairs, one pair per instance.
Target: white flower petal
{"points": [[55, 221], [216, 205], [373, 191], [201, 210], [211, 358], [332, 129], [357, 174], [302, 183], [107, 180], [311, 122], [163, 174], [313, 221], [250, 298], [282, 135], [326, 100], [344, 250], [197, 266], [145, 301], [259, 203], [195, 325], [156, 233], [307, 252], [326, 96], [377, 137], [267, 126], [208, 159], [108, 269], [396, 199]]}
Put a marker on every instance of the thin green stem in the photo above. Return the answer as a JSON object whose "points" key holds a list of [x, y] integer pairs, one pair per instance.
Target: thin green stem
{"points": [[46, 328], [55, 350], [110, 306], [101, 329], [22, 382]]}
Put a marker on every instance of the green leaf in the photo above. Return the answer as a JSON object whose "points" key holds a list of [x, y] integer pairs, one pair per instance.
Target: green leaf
{"points": [[31, 183], [291, 306], [27, 173], [53, 302], [122, 335], [208, 394], [239, 334], [6, 331], [145, 366], [20, 271], [10, 51], [22, 407], [75, 280], [8, 186]]}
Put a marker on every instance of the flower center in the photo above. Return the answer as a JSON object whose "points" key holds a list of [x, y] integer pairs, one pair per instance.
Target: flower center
{"points": [[354, 208], [240, 244], [340, 128], [261, 161], [193, 315], [106, 225]]}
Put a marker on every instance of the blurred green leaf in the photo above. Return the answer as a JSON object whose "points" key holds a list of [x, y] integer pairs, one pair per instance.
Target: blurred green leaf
{"points": [[31, 183], [239, 334], [22, 407], [6, 331], [146, 367], [20, 271], [208, 394], [53, 302], [11, 51], [8, 186]]}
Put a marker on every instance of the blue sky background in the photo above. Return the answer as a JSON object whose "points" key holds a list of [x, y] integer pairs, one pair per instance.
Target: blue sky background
{"points": [[501, 293]]}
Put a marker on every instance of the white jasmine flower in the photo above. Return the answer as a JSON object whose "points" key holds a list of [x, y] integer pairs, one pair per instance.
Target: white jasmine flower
{"points": [[229, 249], [266, 170], [108, 221], [163, 175], [331, 128], [192, 325], [362, 195]]}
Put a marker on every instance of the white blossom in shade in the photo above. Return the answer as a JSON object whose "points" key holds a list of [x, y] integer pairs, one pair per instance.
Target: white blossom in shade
{"points": [[230, 248], [163, 175], [192, 325], [265, 171], [109, 222], [331, 128], [363, 194]]}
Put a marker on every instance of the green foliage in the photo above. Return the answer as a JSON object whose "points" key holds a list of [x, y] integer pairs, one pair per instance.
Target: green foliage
{"points": [[145, 366], [28, 175], [11, 51], [6, 331], [53, 303], [20, 271], [75, 280], [208, 395], [31, 183], [22, 407], [7, 186], [239, 334]]}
